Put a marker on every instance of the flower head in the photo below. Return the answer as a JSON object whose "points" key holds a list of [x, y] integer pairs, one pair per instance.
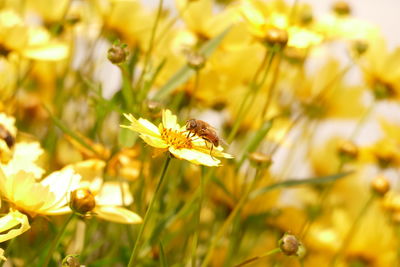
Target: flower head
{"points": [[47, 197], [175, 138]]}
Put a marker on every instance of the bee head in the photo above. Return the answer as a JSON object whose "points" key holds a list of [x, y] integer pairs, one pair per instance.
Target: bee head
{"points": [[191, 124]]}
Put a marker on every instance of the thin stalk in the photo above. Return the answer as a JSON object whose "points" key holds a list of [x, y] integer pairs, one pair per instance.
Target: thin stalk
{"points": [[251, 260], [138, 243], [322, 199], [171, 23], [57, 240], [254, 87], [353, 230], [195, 88], [361, 121], [228, 221], [151, 42], [271, 89], [196, 233]]}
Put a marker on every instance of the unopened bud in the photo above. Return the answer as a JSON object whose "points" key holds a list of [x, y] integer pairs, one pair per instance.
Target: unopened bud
{"points": [[260, 160], [71, 261], [276, 37], [82, 201], [380, 185], [195, 60], [360, 47], [348, 151], [290, 245], [118, 53], [341, 8]]}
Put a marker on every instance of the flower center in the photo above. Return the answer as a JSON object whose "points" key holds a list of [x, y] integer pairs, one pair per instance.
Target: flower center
{"points": [[177, 139]]}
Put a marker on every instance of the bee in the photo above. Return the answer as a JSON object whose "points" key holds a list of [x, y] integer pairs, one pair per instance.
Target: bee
{"points": [[204, 131], [6, 136]]}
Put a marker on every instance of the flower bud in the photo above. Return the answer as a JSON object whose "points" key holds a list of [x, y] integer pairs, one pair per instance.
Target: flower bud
{"points": [[380, 185], [82, 201], [341, 8], [118, 53], [290, 245], [195, 60], [348, 151], [71, 261], [276, 37], [260, 160], [360, 47]]}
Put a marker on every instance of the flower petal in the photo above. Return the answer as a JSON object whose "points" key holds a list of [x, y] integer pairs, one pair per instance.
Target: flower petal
{"points": [[169, 121], [12, 225], [142, 126], [195, 156], [112, 192], [117, 214]]}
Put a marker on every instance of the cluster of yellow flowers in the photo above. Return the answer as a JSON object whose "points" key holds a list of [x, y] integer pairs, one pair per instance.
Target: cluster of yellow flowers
{"points": [[282, 150]]}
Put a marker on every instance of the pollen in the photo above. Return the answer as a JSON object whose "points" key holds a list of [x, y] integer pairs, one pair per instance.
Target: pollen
{"points": [[176, 139]]}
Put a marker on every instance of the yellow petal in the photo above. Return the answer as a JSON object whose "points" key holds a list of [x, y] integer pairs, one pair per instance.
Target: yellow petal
{"points": [[24, 158], [195, 157], [153, 141], [169, 121], [141, 126], [117, 214], [48, 52], [12, 225], [112, 192]]}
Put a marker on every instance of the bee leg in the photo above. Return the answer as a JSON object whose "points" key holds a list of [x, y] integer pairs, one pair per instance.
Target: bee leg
{"points": [[212, 146]]}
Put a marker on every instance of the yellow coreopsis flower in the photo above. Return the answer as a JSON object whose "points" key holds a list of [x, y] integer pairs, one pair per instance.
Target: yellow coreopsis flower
{"points": [[385, 151], [262, 16], [105, 200], [169, 135], [381, 69], [29, 41], [47, 197], [16, 156]]}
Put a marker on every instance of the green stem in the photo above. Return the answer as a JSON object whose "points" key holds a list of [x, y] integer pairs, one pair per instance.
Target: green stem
{"points": [[196, 233], [195, 88], [228, 221], [254, 87], [57, 240], [151, 42], [138, 243], [361, 121], [271, 89], [251, 260], [322, 199], [353, 230]]}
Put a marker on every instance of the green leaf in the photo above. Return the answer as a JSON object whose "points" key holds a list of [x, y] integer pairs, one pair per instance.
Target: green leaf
{"points": [[163, 258], [255, 141], [185, 72], [69, 132], [298, 182]]}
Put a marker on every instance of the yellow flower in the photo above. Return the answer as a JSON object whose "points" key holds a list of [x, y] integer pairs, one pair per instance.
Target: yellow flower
{"points": [[263, 16], [31, 42], [385, 151], [21, 156], [47, 197], [172, 137], [109, 197], [381, 69]]}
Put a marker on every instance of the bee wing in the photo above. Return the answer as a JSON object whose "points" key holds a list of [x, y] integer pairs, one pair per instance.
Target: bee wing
{"points": [[223, 142]]}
